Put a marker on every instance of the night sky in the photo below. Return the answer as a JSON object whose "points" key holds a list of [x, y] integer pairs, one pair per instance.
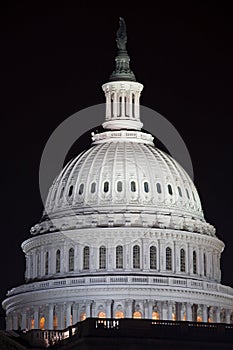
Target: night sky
{"points": [[53, 63]]}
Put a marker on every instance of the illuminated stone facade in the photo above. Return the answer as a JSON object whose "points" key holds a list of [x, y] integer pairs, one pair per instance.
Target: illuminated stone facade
{"points": [[123, 234]]}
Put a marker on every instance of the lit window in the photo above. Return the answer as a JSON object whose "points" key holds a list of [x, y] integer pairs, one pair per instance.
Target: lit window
{"points": [[136, 257], [187, 192], [119, 257], [133, 186], [81, 188], [101, 314], [42, 323], [102, 257], [182, 260], [199, 319], [168, 258], [119, 314], [46, 263], [173, 316], [169, 187], [179, 191], [83, 316], [119, 186], [32, 324], [70, 190], [158, 187], [204, 261], [194, 262], [58, 261], [55, 322], [71, 259], [146, 187], [93, 187], [155, 315], [86, 255], [137, 314], [106, 186], [153, 258]]}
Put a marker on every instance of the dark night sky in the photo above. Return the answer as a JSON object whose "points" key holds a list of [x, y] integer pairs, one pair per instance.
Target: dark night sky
{"points": [[53, 62]]}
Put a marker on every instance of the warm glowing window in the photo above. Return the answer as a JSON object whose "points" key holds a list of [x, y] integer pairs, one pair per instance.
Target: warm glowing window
{"points": [[168, 258], [83, 316], [173, 316], [158, 187], [194, 262], [146, 187], [55, 322], [153, 257], [119, 186], [106, 186], [137, 314], [86, 257], [182, 260], [42, 323], [71, 259], [70, 190], [204, 261], [102, 257], [46, 263], [101, 314], [119, 314], [199, 319], [58, 261], [184, 317], [169, 187], [93, 187], [133, 186], [119, 257], [136, 257], [155, 315], [32, 323]]}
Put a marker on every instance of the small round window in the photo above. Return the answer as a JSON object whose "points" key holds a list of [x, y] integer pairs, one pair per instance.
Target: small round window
{"points": [[81, 188]]}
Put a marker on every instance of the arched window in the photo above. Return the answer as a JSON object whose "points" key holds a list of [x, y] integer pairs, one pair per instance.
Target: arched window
{"points": [[119, 314], [55, 322], [179, 191], [70, 190], [106, 186], [168, 258], [86, 258], [146, 187], [119, 257], [182, 260], [46, 263], [93, 187], [58, 261], [71, 259], [153, 257], [194, 262], [136, 257], [119, 186], [32, 326], [137, 314], [158, 187], [102, 257], [155, 315], [42, 323], [81, 188], [101, 314], [83, 316], [169, 188], [204, 262], [133, 186]]}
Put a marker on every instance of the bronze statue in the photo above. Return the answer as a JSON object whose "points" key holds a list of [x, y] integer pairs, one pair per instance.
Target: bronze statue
{"points": [[121, 35]]}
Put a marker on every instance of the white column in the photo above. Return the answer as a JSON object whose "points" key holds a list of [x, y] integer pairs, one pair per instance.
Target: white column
{"points": [[217, 315], [115, 104], [189, 312], [9, 323], [146, 309], [123, 104], [162, 257], [164, 310], [36, 317], [75, 313], [130, 104], [60, 316], [128, 308], [228, 316], [88, 308], [24, 319], [15, 321], [108, 308], [150, 308], [169, 315], [204, 313], [68, 314], [136, 105], [108, 105], [50, 316]]}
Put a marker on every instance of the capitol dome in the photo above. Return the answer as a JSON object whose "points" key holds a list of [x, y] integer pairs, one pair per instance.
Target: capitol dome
{"points": [[123, 232]]}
